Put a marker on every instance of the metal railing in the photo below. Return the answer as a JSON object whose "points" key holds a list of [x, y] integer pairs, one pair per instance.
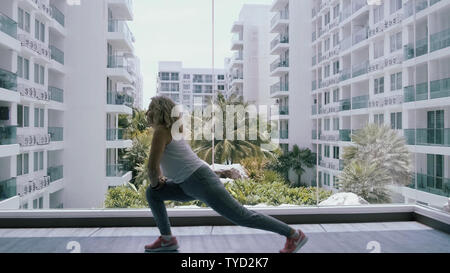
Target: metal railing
{"points": [[279, 39], [279, 63], [115, 98]]}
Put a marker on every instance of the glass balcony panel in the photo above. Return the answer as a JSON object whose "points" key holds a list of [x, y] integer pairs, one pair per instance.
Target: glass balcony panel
{"points": [[57, 54], [8, 188], [8, 25], [360, 102], [345, 135], [55, 173], [409, 51], [345, 105], [56, 133], [421, 5], [440, 40], [56, 94], [428, 137], [440, 88], [8, 80], [58, 15], [115, 98], [114, 134], [116, 170], [422, 91], [410, 93], [421, 47], [284, 134], [117, 62], [8, 135], [121, 27], [360, 69], [431, 184]]}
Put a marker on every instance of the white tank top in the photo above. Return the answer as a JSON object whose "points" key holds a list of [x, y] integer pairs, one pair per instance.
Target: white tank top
{"points": [[179, 162]]}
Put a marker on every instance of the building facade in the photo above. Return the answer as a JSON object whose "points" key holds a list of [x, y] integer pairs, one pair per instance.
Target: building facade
{"points": [[190, 86], [67, 72], [385, 64]]}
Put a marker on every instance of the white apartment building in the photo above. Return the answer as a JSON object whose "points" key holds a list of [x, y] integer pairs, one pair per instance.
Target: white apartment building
{"points": [[385, 64], [190, 86], [248, 68], [66, 74]]}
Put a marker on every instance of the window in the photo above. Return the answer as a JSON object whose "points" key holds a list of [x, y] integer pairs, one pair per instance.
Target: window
{"points": [[378, 119], [327, 98], [326, 151], [165, 86], [378, 13], [186, 86], [336, 152], [327, 44], [174, 76], [327, 124], [38, 161], [395, 5], [335, 124], [187, 76], [23, 20], [39, 31], [336, 95], [39, 74], [198, 78], [221, 77], [197, 89], [164, 76], [221, 87], [336, 12], [336, 182], [23, 116], [379, 85], [335, 67], [335, 39], [22, 164], [327, 71], [396, 121], [396, 41], [207, 89], [327, 18], [39, 118], [174, 87], [208, 78], [378, 49], [396, 81]]}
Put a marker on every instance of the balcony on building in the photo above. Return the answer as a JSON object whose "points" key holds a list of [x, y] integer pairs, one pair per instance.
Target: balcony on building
{"points": [[238, 26], [279, 89], [55, 173], [237, 60], [278, 5], [8, 86], [237, 78], [279, 44], [279, 67], [119, 69], [116, 139], [122, 9], [431, 184], [120, 35], [316, 134], [439, 137], [117, 175], [8, 141], [279, 21], [56, 94], [237, 41], [56, 134], [8, 32], [119, 102], [8, 188], [57, 57]]}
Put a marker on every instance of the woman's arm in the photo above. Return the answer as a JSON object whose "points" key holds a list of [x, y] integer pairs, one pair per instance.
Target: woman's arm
{"points": [[161, 137]]}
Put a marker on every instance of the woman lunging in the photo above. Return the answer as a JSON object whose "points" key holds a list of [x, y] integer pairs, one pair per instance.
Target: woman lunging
{"points": [[177, 173]]}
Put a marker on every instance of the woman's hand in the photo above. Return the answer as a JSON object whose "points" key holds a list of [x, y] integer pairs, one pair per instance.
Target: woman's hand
{"points": [[161, 183]]}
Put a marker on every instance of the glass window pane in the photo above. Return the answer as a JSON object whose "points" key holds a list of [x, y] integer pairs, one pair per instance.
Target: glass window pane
{"points": [[36, 73], [41, 160], [41, 116], [42, 33], [25, 163], [26, 116], [399, 121], [26, 72], [35, 160], [19, 66], [19, 115], [27, 22], [19, 165], [42, 74], [36, 29], [399, 81], [36, 117]]}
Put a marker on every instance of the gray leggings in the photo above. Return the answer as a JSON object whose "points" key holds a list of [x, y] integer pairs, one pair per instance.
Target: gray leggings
{"points": [[205, 185]]}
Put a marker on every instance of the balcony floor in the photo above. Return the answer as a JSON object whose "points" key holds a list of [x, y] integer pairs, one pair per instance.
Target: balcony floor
{"points": [[398, 237]]}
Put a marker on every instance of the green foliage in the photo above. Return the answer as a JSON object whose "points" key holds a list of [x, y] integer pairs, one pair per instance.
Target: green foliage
{"points": [[124, 197], [297, 160], [254, 166], [378, 158], [136, 156]]}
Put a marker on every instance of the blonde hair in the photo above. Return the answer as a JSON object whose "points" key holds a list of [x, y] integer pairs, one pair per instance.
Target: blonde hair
{"points": [[160, 112]]}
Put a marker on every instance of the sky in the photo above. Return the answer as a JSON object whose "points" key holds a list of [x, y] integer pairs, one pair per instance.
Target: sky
{"points": [[181, 30]]}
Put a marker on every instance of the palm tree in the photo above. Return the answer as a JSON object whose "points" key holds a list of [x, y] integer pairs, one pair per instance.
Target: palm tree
{"points": [[230, 151], [378, 158], [297, 160]]}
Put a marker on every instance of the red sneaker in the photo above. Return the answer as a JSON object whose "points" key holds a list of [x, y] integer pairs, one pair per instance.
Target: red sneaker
{"points": [[162, 245], [294, 244]]}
